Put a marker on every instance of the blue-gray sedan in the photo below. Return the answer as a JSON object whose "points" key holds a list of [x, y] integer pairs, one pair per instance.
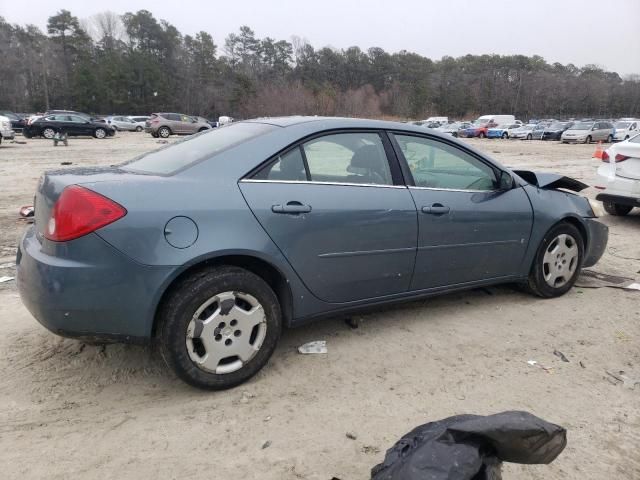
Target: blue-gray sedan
{"points": [[213, 244]]}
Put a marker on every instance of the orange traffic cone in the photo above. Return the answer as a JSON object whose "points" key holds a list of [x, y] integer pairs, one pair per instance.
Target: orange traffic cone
{"points": [[598, 152]]}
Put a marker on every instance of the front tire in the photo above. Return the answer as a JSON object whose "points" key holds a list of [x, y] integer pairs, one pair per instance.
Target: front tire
{"points": [[610, 139], [505, 135], [616, 209], [558, 262], [529, 137], [48, 133], [219, 327], [482, 135], [138, 128], [588, 139], [164, 132]]}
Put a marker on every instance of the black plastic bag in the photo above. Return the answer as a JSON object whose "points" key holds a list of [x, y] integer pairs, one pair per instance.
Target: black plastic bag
{"points": [[471, 447]]}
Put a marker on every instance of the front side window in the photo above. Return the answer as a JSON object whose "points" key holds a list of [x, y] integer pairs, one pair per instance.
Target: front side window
{"points": [[348, 158], [76, 119], [434, 164]]}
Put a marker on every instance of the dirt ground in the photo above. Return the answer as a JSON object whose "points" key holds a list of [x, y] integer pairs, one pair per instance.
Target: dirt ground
{"points": [[70, 410]]}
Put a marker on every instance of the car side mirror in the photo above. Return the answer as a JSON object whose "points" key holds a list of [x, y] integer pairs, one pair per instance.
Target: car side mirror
{"points": [[505, 182]]}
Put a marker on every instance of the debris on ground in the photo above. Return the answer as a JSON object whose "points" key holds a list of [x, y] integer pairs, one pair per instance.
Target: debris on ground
{"points": [[27, 211], [582, 364], [7, 265], [370, 449], [162, 141], [319, 346], [353, 322], [534, 363], [593, 279], [6, 279], [246, 396], [266, 444], [351, 436], [621, 376], [561, 356], [466, 447], [66, 163], [19, 142]]}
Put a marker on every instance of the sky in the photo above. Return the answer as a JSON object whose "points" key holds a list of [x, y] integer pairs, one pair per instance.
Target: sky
{"points": [[567, 31]]}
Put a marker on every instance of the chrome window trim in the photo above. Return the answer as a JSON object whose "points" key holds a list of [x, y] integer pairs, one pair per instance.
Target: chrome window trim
{"points": [[306, 182], [412, 187]]}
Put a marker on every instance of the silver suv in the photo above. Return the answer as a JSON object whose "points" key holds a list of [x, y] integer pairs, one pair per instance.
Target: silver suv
{"points": [[165, 124]]}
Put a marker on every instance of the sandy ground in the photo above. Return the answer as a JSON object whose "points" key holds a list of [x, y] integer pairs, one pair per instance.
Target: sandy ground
{"points": [[70, 410]]}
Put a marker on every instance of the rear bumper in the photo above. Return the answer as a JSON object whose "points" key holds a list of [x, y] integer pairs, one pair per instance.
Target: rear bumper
{"points": [[619, 199], [598, 235], [86, 288], [7, 134]]}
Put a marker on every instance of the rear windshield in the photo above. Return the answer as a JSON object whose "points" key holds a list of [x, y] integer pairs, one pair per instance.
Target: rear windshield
{"points": [[183, 153]]}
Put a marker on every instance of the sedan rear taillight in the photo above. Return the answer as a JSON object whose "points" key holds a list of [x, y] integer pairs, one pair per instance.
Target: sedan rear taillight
{"points": [[618, 158], [80, 211]]}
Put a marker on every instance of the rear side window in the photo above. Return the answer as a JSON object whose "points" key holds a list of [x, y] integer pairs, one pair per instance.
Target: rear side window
{"points": [[195, 148], [172, 116], [287, 167]]}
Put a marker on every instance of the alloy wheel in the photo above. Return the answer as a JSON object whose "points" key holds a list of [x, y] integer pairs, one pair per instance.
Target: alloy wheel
{"points": [[48, 133], [560, 260], [226, 332]]}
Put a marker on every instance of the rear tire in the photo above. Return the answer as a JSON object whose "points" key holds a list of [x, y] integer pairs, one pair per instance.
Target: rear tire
{"points": [[610, 139], [588, 139], [557, 263], [209, 315], [481, 135], [164, 132], [100, 133], [48, 133], [616, 209], [529, 137], [138, 128], [505, 135]]}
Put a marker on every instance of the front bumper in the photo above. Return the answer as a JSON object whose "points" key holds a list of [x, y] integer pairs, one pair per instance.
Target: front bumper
{"points": [[87, 289], [598, 236]]}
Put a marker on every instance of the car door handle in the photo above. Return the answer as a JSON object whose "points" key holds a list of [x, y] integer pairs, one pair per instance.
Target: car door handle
{"points": [[435, 209], [291, 207]]}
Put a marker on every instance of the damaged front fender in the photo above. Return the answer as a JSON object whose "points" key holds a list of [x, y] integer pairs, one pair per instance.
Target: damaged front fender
{"points": [[551, 181]]}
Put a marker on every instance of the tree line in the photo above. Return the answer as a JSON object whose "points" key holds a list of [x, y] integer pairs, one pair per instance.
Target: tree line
{"points": [[137, 64]]}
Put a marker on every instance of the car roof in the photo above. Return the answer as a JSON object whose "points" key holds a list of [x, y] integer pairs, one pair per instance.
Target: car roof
{"points": [[336, 122]]}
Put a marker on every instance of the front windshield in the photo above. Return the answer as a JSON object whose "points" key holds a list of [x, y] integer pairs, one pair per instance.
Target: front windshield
{"points": [[582, 126], [622, 125]]}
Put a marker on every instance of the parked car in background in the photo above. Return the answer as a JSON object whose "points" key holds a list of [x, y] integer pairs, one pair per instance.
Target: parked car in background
{"points": [[502, 131], [555, 130], [6, 132], [123, 123], [287, 234], [440, 120], [139, 120], [476, 130], [528, 132], [624, 129], [453, 128], [71, 124], [166, 124], [497, 120], [587, 132], [17, 122], [619, 177]]}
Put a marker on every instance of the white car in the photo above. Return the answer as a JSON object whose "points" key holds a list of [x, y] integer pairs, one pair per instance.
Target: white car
{"points": [[618, 178], [625, 128], [6, 133], [139, 121]]}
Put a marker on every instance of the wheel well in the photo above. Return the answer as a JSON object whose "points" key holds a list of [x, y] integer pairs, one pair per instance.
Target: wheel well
{"points": [[274, 278]]}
